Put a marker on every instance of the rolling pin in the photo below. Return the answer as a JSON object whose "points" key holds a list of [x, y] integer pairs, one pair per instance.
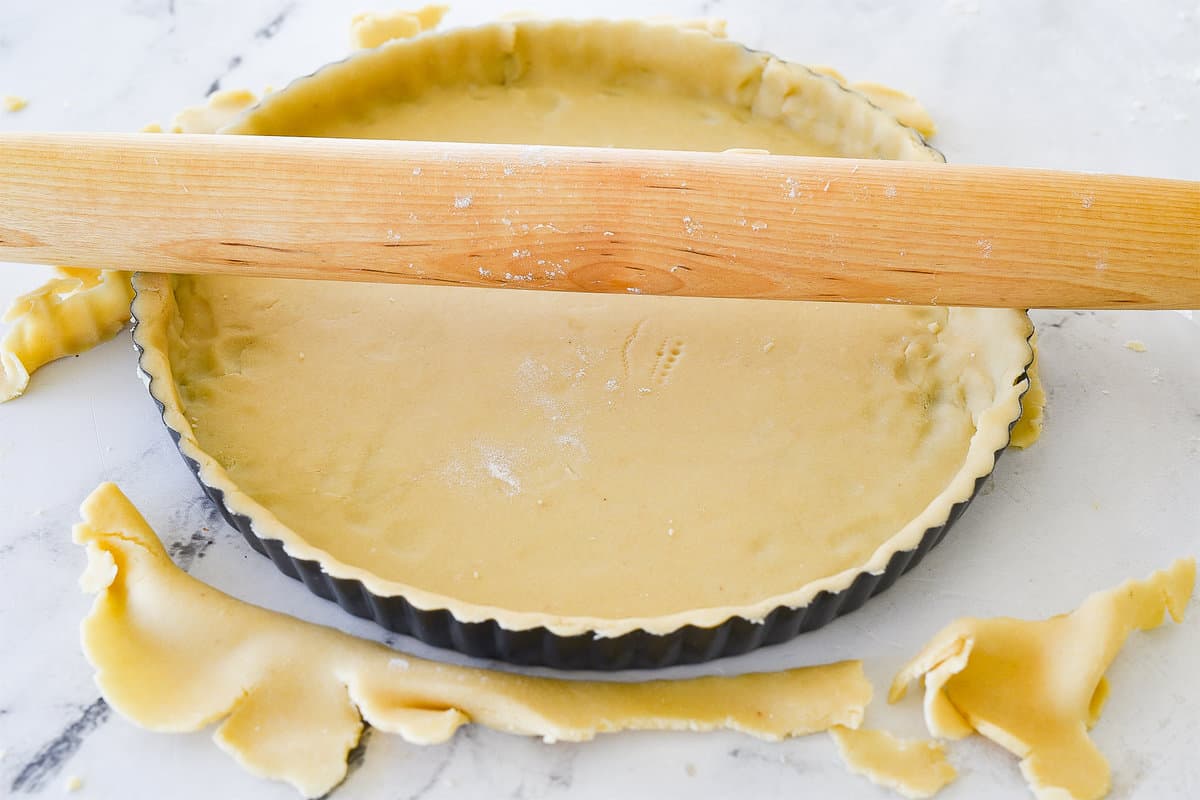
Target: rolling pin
{"points": [[733, 224]]}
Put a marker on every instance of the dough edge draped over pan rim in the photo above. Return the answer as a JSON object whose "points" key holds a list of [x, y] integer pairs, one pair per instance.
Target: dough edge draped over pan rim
{"points": [[876, 130]]}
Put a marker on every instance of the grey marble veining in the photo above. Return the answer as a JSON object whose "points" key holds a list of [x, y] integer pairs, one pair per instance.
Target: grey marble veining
{"points": [[1111, 491]]}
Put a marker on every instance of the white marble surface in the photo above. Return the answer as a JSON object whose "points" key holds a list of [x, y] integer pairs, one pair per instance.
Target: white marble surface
{"points": [[1112, 491]]}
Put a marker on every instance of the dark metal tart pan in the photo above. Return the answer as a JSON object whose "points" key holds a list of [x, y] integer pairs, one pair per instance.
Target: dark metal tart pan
{"points": [[541, 647], [637, 649]]}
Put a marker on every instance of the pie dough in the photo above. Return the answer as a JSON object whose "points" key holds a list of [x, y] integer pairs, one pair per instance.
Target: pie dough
{"points": [[1033, 405], [915, 769], [221, 108], [80, 308], [1035, 688], [173, 654], [585, 463], [904, 107], [373, 28], [73, 312]]}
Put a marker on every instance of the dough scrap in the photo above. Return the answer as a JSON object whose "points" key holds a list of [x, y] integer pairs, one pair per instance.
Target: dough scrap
{"points": [[914, 768], [69, 314], [373, 28], [80, 308], [173, 654], [1036, 687], [219, 110]]}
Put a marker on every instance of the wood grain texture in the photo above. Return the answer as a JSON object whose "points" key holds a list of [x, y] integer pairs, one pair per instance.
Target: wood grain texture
{"points": [[596, 220]]}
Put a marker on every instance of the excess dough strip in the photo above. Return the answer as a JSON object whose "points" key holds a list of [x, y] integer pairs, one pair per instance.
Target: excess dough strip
{"points": [[1036, 687], [173, 654]]}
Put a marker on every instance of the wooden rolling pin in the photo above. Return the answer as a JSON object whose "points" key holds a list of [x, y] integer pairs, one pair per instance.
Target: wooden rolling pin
{"points": [[598, 220]]}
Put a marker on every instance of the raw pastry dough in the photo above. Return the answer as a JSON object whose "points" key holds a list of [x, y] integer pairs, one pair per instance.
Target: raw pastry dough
{"points": [[63, 331], [70, 314], [80, 308], [1033, 405], [373, 28], [582, 463], [903, 106], [914, 768], [1036, 687], [173, 654], [219, 110]]}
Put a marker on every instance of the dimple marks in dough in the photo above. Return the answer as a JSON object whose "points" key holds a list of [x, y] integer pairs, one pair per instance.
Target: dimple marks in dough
{"points": [[71, 313], [914, 768], [173, 655], [1035, 687]]}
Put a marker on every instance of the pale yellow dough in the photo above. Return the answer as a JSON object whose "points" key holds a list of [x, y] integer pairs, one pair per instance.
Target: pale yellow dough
{"points": [[13, 103], [906, 108], [220, 109], [1033, 405], [69, 314], [173, 655], [914, 768], [80, 308], [583, 463], [1036, 687], [373, 28]]}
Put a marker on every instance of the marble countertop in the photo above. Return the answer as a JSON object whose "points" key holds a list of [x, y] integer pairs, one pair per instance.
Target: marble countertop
{"points": [[1112, 491]]}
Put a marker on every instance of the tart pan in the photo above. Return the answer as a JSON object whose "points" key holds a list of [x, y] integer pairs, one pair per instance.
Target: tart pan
{"points": [[540, 647], [634, 649]]}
